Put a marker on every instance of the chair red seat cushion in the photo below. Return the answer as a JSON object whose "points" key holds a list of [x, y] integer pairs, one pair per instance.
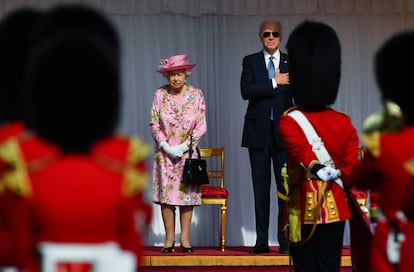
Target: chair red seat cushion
{"points": [[209, 191]]}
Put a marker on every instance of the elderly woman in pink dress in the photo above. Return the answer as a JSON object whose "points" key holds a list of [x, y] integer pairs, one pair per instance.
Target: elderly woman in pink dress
{"points": [[178, 112]]}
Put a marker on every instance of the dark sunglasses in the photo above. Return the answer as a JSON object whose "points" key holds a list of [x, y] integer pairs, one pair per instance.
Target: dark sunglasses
{"points": [[267, 34]]}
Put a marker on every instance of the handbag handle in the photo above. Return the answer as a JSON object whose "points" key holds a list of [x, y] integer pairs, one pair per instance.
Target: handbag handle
{"points": [[190, 152]]}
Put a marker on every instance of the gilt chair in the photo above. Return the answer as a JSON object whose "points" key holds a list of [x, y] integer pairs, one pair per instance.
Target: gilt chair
{"points": [[362, 200], [215, 193], [373, 195]]}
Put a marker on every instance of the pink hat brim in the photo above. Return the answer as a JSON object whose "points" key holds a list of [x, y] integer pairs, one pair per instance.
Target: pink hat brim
{"points": [[175, 68]]}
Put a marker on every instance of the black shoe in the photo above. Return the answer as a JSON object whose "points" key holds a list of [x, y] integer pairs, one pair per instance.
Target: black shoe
{"points": [[187, 249], [258, 249], [283, 243], [168, 249], [284, 249]]}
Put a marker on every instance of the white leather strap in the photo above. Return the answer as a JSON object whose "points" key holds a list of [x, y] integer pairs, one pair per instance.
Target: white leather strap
{"points": [[318, 146]]}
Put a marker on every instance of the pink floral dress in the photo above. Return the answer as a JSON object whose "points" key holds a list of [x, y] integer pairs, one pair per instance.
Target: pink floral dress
{"points": [[174, 118]]}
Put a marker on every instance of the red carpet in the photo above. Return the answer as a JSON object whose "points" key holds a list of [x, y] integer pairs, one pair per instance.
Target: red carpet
{"points": [[211, 251], [233, 259], [229, 251]]}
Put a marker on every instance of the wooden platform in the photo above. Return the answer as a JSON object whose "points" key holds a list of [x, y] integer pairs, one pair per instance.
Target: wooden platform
{"points": [[213, 257]]}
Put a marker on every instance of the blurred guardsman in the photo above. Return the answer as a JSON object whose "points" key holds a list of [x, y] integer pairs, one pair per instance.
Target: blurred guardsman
{"points": [[15, 30], [387, 166], [73, 179]]}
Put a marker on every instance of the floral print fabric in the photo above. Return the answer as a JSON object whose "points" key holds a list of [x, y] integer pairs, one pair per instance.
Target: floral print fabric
{"points": [[174, 118]]}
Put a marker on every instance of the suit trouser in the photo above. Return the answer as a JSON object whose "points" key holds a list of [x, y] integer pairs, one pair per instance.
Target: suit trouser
{"points": [[322, 253], [261, 163]]}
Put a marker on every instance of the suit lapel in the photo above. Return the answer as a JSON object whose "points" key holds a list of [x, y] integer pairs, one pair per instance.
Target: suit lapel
{"points": [[261, 64]]}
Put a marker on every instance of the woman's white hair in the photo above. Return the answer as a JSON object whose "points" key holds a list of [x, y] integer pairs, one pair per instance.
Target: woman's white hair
{"points": [[187, 73]]}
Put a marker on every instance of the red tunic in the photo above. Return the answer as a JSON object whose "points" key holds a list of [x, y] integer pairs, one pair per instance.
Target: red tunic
{"points": [[78, 198], [341, 140], [385, 170]]}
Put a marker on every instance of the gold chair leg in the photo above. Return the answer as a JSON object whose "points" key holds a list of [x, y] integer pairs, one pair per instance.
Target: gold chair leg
{"points": [[223, 226]]}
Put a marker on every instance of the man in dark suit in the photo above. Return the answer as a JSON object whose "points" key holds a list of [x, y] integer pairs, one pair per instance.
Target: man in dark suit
{"points": [[264, 83]]}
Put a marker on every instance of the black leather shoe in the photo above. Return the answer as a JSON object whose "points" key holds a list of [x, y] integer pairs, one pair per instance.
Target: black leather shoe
{"points": [[167, 249], [284, 249], [187, 249], [259, 249]]}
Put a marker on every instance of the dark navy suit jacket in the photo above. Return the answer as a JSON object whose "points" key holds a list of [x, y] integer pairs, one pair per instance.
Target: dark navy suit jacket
{"points": [[257, 88]]}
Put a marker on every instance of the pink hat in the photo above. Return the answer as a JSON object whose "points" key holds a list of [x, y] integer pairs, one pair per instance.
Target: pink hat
{"points": [[174, 63]]}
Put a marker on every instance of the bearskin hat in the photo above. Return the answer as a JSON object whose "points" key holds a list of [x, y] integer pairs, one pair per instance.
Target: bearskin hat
{"points": [[15, 29], [314, 55], [392, 62], [80, 17], [72, 84]]}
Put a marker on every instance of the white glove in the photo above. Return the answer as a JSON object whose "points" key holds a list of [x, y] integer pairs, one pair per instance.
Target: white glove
{"points": [[182, 147], [328, 173], [172, 151]]}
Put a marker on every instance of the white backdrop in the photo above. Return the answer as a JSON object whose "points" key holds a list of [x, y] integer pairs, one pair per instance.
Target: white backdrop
{"points": [[216, 34]]}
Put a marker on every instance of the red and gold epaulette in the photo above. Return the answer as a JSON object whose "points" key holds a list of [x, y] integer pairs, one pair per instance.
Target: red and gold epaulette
{"points": [[15, 177], [372, 141], [135, 171], [127, 157], [409, 166]]}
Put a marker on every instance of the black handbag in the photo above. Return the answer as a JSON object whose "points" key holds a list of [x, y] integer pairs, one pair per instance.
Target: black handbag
{"points": [[195, 169]]}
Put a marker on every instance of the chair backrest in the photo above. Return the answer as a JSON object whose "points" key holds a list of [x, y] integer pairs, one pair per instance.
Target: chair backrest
{"points": [[215, 169], [361, 152]]}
